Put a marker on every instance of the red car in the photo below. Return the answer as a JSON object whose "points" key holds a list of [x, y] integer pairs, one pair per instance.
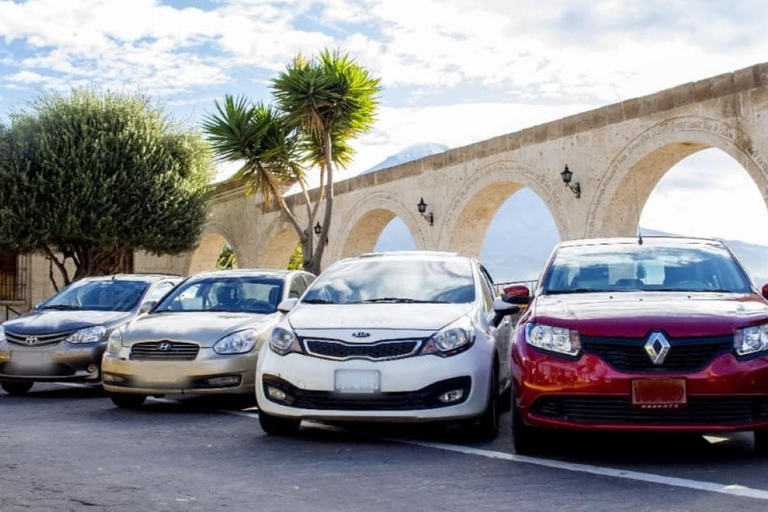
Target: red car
{"points": [[660, 333]]}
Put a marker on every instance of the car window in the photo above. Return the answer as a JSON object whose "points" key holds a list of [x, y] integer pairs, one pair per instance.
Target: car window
{"points": [[256, 294], [160, 290], [101, 295], [486, 288], [297, 288]]}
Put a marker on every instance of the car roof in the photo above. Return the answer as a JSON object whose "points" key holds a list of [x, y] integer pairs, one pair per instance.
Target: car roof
{"points": [[249, 272], [646, 240], [134, 277], [411, 255]]}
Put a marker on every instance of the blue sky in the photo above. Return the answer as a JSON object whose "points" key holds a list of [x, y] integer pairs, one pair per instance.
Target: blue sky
{"points": [[454, 71]]}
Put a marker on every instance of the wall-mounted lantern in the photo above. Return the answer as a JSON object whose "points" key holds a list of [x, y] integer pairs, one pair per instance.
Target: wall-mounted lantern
{"points": [[422, 206], [567, 176], [318, 229]]}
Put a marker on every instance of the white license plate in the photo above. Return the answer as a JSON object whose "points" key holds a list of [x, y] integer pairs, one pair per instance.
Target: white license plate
{"points": [[357, 381], [29, 358]]}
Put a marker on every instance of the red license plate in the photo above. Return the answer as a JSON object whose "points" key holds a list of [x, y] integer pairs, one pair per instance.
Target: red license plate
{"points": [[659, 393]]}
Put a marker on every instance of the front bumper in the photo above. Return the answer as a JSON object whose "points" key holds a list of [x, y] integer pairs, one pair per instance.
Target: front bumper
{"points": [[121, 374], [59, 362], [408, 387], [588, 394]]}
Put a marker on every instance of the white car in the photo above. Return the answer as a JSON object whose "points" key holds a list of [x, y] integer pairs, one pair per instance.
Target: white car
{"points": [[416, 336]]}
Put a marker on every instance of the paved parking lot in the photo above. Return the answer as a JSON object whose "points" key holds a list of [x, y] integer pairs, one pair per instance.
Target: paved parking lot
{"points": [[69, 448]]}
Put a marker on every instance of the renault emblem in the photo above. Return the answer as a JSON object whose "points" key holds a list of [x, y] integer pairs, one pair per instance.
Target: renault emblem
{"points": [[31, 340], [657, 348], [164, 346]]}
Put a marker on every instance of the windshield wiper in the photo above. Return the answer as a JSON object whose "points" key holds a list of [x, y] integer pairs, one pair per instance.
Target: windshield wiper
{"points": [[399, 300], [576, 290], [317, 301], [64, 307]]}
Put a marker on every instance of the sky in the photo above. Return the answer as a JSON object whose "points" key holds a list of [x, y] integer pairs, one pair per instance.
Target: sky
{"points": [[453, 71]]}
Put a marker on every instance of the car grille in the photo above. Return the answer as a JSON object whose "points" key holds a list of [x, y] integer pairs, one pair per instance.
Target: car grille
{"points": [[619, 410], [41, 339], [685, 354], [381, 350], [425, 398], [178, 351]]}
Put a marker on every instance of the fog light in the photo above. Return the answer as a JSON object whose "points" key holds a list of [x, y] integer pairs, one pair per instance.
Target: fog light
{"points": [[92, 368], [278, 395], [224, 381], [451, 396], [109, 377]]}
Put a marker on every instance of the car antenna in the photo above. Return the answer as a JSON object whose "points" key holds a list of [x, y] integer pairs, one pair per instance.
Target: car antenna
{"points": [[637, 212]]}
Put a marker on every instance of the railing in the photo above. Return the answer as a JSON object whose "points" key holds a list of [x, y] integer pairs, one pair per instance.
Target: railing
{"points": [[13, 276], [10, 311]]}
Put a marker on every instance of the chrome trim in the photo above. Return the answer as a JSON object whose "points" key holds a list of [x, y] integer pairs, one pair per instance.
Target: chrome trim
{"points": [[657, 357], [417, 347], [41, 339]]}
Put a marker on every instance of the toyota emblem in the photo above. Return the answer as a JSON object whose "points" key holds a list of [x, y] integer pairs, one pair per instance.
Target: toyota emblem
{"points": [[164, 346], [31, 340]]}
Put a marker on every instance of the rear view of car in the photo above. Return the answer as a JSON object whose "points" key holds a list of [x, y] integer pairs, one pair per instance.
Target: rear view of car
{"points": [[392, 337], [64, 338]]}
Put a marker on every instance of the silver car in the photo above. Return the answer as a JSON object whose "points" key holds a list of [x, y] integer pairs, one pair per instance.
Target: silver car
{"points": [[203, 338], [390, 337], [64, 338]]}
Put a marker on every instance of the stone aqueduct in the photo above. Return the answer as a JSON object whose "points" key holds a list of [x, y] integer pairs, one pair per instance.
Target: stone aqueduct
{"points": [[610, 150]]}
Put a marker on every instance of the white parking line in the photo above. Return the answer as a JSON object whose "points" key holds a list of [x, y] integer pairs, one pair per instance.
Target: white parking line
{"points": [[732, 490]]}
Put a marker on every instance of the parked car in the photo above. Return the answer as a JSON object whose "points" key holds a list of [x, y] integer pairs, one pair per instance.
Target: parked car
{"points": [[649, 334], [389, 337], [203, 338], [63, 338]]}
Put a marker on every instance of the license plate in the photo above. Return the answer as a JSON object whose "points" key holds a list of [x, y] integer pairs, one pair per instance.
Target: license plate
{"points": [[357, 381], [34, 359], [659, 393]]}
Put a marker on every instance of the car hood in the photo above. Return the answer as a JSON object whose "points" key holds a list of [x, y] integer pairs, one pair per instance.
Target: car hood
{"points": [[630, 314], [380, 320], [205, 328], [51, 321]]}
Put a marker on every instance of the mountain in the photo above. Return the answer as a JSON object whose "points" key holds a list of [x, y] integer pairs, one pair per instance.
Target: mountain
{"points": [[409, 154]]}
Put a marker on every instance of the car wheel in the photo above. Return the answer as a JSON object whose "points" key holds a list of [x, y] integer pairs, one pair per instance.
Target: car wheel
{"points": [[128, 401], [276, 426], [487, 427], [761, 443], [526, 440], [16, 388]]}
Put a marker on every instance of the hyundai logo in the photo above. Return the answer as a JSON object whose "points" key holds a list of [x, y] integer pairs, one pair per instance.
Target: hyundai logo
{"points": [[164, 346], [361, 334], [657, 347], [31, 340]]}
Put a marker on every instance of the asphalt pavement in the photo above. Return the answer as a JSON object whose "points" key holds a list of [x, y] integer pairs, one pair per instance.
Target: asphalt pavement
{"points": [[68, 448]]}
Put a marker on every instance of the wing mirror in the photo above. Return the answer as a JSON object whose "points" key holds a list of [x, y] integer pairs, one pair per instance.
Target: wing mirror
{"points": [[503, 309], [39, 305], [287, 305], [146, 306], [765, 291], [517, 294]]}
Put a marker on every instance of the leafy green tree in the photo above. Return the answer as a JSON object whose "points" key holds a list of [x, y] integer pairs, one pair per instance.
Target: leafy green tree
{"points": [[88, 178], [322, 103], [297, 259], [227, 260]]}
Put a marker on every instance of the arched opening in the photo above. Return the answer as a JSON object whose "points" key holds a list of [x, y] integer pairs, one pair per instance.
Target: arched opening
{"points": [[366, 235], [519, 237], [709, 194], [278, 252], [395, 237], [207, 253]]}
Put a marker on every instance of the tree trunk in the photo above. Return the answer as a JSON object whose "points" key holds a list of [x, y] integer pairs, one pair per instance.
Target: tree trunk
{"points": [[317, 257]]}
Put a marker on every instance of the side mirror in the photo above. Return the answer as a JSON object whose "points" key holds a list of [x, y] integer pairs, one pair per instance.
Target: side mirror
{"points": [[517, 294], [38, 306], [502, 309], [765, 291], [287, 305], [146, 306]]}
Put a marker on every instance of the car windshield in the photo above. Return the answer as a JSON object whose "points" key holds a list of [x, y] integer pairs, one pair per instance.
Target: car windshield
{"points": [[383, 280], [100, 295], [634, 267], [236, 294]]}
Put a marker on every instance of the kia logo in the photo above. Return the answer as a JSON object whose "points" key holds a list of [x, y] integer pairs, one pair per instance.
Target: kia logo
{"points": [[361, 334], [31, 340], [164, 346]]}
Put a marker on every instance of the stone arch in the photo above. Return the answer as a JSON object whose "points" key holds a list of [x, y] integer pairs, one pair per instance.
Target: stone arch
{"points": [[206, 254], [361, 227], [278, 245], [472, 208], [632, 176]]}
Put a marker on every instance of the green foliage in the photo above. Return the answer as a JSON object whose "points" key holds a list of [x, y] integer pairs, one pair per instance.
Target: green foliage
{"points": [[227, 260], [91, 177], [297, 259]]}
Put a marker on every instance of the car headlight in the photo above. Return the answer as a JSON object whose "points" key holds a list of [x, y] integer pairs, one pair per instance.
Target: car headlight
{"points": [[283, 341], [93, 334], [452, 339], [115, 342], [239, 342], [751, 340], [553, 339]]}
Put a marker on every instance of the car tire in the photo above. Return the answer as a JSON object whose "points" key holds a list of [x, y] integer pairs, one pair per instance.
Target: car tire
{"points": [[16, 388], [526, 440], [276, 426], [761, 443], [126, 401], [487, 427]]}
